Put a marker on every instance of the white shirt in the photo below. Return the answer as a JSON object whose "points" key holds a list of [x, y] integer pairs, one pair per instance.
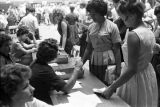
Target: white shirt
{"points": [[30, 21]]}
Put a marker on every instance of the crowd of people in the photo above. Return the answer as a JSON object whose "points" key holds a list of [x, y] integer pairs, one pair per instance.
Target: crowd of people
{"points": [[120, 33]]}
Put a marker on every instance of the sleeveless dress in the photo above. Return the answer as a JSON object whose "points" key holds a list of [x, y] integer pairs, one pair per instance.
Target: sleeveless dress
{"points": [[141, 90], [69, 45]]}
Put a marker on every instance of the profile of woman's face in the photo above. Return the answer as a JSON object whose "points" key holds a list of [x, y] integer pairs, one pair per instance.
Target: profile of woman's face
{"points": [[24, 93], [6, 48], [94, 15]]}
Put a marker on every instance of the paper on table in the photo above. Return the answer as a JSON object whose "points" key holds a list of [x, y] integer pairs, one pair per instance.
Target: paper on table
{"points": [[60, 73], [83, 100], [76, 85], [53, 64]]}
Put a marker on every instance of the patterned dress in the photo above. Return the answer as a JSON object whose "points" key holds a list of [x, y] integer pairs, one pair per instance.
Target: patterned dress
{"points": [[102, 39], [141, 90]]}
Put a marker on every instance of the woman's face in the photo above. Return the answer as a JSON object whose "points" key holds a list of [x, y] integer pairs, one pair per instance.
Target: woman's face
{"points": [[23, 37], [94, 15], [24, 92], [6, 48], [128, 19], [56, 19]]}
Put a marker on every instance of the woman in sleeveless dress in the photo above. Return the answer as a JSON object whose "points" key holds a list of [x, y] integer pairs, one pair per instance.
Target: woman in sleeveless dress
{"points": [[137, 84], [57, 17]]}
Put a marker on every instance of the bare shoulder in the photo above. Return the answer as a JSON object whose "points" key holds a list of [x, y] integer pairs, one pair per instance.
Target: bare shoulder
{"points": [[133, 39]]}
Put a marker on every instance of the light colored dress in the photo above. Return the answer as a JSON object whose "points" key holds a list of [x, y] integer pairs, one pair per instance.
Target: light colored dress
{"points": [[141, 90], [102, 39]]}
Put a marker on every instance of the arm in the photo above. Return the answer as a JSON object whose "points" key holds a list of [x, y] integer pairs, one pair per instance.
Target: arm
{"points": [[64, 31], [133, 53], [71, 82], [25, 51], [87, 53], [28, 46], [116, 51]]}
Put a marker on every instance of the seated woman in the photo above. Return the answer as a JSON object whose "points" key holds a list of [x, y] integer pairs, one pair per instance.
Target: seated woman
{"points": [[5, 44], [22, 51], [15, 88], [44, 79]]}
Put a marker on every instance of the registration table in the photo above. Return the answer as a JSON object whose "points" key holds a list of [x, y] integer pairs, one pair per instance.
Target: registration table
{"points": [[82, 93]]}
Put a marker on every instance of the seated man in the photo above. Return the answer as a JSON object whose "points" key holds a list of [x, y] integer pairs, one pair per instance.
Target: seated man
{"points": [[5, 44], [44, 78], [21, 50]]}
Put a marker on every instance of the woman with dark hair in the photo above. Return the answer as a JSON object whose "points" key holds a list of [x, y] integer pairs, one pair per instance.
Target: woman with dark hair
{"points": [[44, 78], [57, 17], [5, 49], [103, 41], [137, 84], [15, 88], [22, 51]]}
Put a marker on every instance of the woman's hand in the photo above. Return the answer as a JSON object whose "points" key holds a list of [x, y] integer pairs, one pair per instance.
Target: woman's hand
{"points": [[108, 92]]}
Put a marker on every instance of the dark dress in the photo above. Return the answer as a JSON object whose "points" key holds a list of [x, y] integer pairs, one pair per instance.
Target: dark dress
{"points": [[69, 45], [44, 80]]}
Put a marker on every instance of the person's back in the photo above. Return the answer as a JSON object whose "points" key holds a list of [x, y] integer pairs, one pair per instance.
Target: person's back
{"points": [[147, 41]]}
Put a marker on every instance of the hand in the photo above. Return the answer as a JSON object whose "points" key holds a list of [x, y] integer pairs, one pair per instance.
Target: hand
{"points": [[79, 63], [108, 92], [35, 49]]}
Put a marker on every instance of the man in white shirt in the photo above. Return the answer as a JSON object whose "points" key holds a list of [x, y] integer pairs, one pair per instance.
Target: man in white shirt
{"points": [[30, 21]]}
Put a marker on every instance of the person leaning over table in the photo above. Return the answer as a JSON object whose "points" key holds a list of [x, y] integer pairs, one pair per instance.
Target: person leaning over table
{"points": [[57, 17], [5, 50], [44, 78], [21, 51], [15, 88], [137, 84], [103, 41]]}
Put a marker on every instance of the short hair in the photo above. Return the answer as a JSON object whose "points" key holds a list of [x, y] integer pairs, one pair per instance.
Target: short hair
{"points": [[11, 76], [47, 50], [132, 7], [157, 10], [4, 38], [22, 30], [30, 9], [98, 6]]}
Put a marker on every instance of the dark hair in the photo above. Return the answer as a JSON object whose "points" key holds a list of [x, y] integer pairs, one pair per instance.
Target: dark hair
{"points": [[132, 7], [4, 38], [115, 1], [57, 13], [47, 50], [22, 30], [30, 9], [11, 76], [157, 10], [99, 6]]}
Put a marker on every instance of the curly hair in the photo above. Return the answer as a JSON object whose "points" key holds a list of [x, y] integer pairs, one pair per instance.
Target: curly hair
{"points": [[157, 10], [99, 6], [11, 76], [4, 38], [22, 30], [47, 50], [57, 13], [132, 7]]}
